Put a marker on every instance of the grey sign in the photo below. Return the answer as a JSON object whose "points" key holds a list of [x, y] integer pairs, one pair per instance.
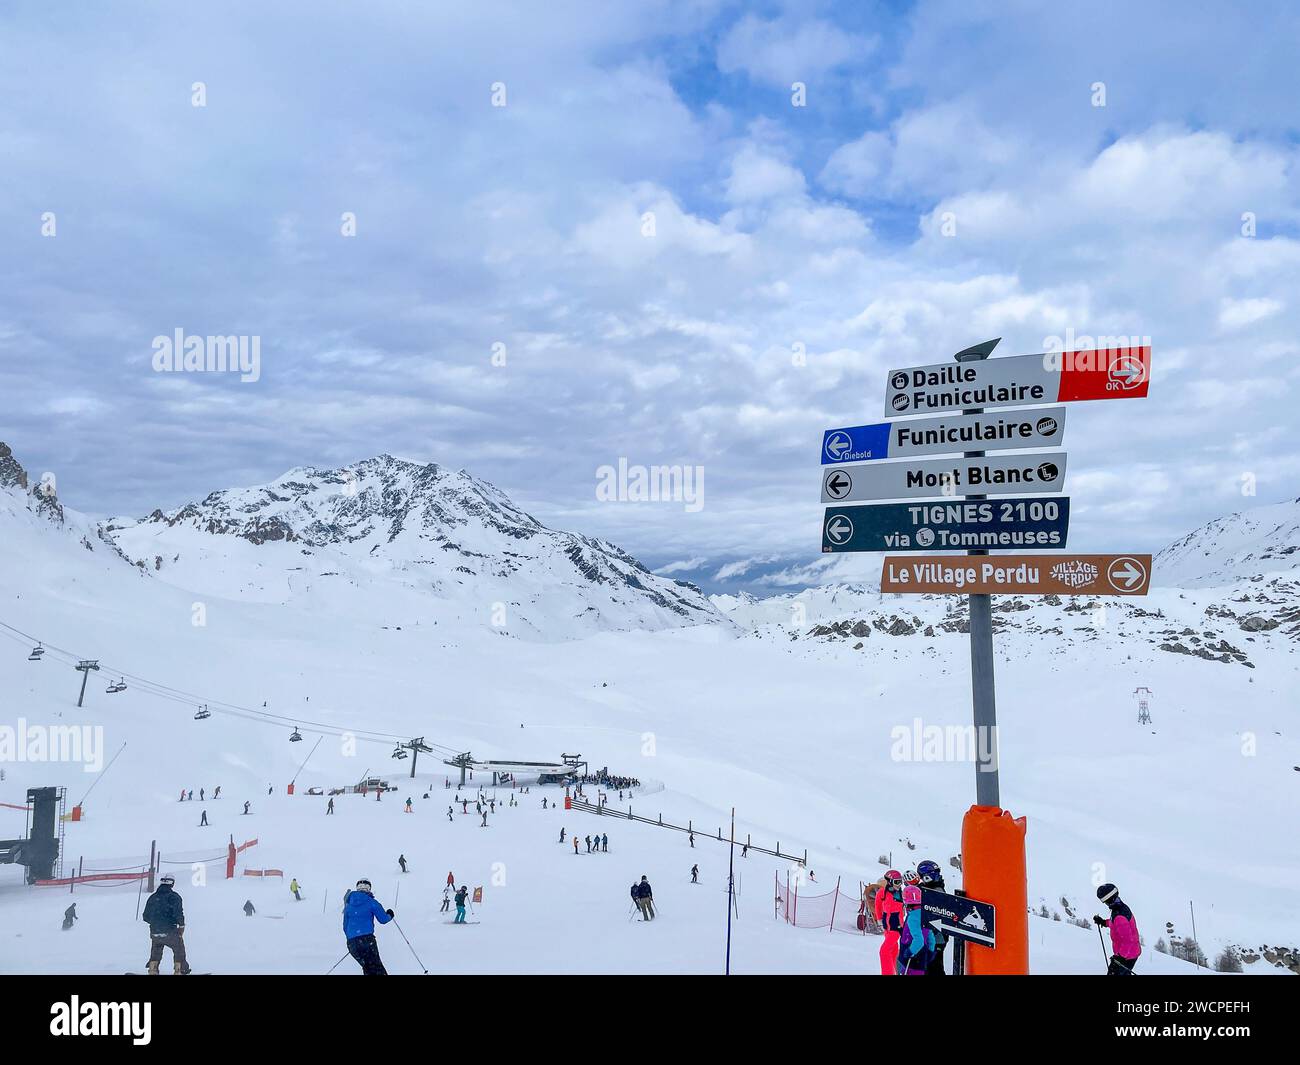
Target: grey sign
{"points": [[991, 475]]}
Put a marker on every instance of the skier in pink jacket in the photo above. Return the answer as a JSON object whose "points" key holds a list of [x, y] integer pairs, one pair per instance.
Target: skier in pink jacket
{"points": [[1125, 946], [888, 909]]}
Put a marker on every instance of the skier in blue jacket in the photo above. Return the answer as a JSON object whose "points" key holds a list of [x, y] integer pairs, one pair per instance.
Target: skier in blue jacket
{"points": [[360, 911]]}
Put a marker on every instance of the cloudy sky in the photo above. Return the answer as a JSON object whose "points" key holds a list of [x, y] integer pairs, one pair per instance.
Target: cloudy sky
{"points": [[683, 259]]}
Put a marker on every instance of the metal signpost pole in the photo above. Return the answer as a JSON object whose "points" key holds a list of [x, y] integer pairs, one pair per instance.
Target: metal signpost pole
{"points": [[983, 698]]}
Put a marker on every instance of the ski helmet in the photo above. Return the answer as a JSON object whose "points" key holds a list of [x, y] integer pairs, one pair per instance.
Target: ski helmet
{"points": [[928, 871], [893, 876], [911, 895], [1107, 892], [363, 885], [166, 879]]}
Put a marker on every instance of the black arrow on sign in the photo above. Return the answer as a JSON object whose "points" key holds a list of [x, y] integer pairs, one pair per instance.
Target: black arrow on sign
{"points": [[837, 484]]}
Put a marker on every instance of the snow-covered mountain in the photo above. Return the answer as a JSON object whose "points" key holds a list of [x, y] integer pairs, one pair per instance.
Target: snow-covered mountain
{"points": [[1262, 541], [385, 519]]}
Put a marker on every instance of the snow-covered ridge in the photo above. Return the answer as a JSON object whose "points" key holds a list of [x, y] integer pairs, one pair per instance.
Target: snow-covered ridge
{"points": [[314, 535], [1261, 541]]}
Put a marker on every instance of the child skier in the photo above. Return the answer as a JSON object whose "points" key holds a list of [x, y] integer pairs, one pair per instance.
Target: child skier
{"points": [[461, 895], [930, 875], [916, 938], [888, 911], [1125, 944]]}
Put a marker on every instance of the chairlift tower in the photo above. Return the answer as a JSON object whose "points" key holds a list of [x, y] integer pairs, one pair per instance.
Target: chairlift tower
{"points": [[1144, 711], [85, 666], [417, 745]]}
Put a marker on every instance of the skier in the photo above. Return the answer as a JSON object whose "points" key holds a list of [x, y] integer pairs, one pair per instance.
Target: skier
{"points": [[203, 820], [1125, 946], [401, 860], [916, 939], [166, 918], [543, 802], [69, 915], [588, 839], [744, 851], [269, 789], [575, 846], [930, 876], [451, 880], [330, 808], [408, 805], [635, 903], [246, 805], [449, 817], [888, 910], [604, 842], [461, 896], [446, 899], [200, 794], [484, 824], [645, 899], [249, 908], [360, 911], [561, 835], [217, 793], [692, 839], [695, 874], [293, 887]]}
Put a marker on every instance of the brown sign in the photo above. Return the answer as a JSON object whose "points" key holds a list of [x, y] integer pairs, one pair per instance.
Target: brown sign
{"points": [[1063, 574]]}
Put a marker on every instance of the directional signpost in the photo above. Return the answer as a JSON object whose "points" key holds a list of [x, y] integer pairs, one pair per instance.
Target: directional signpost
{"points": [[947, 526], [857, 466], [1000, 475], [943, 436], [1019, 574], [960, 917], [1022, 380]]}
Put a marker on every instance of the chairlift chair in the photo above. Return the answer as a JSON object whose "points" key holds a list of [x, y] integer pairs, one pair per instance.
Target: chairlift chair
{"points": [[399, 751], [120, 686], [36, 654], [203, 714], [295, 736]]}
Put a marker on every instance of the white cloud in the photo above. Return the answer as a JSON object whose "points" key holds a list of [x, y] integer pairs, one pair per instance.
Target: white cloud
{"points": [[782, 51]]}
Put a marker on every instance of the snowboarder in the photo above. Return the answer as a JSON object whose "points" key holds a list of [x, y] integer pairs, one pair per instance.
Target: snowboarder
{"points": [[249, 908], [330, 808], [930, 875], [916, 938], [203, 819], [1125, 946], [69, 915], [888, 911], [461, 896], [247, 803], [604, 843], [293, 887], [360, 911], [401, 860], [695, 874], [646, 900], [165, 915], [446, 899]]}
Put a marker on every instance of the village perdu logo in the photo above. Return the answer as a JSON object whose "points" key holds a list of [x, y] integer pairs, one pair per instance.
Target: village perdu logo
{"points": [[1075, 574]]}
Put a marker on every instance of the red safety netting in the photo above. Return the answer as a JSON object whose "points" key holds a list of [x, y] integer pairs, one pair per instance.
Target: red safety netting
{"points": [[810, 905]]}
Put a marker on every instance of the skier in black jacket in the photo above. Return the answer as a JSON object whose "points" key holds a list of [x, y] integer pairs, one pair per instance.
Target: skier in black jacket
{"points": [[930, 877], [646, 900], [166, 918]]}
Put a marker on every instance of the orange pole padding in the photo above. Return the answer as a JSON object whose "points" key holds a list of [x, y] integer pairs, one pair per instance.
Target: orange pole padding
{"points": [[993, 871]]}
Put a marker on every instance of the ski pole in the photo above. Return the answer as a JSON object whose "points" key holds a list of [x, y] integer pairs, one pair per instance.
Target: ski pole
{"points": [[1102, 940], [337, 964], [408, 944]]}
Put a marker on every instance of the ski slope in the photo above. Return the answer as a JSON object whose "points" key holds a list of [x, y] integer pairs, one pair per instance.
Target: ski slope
{"points": [[797, 734]]}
